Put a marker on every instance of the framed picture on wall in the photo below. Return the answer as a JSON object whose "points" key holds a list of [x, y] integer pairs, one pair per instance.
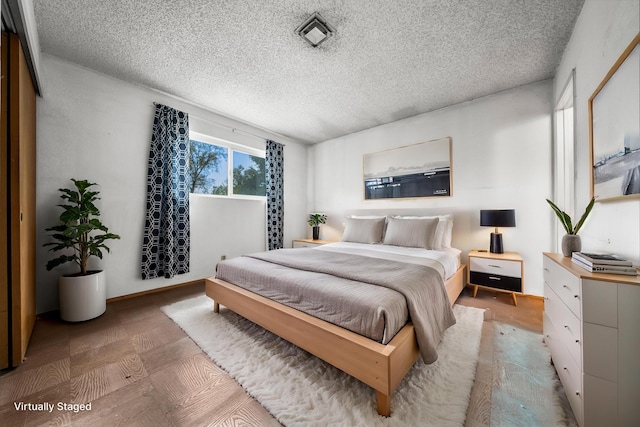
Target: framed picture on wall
{"points": [[614, 129], [418, 170]]}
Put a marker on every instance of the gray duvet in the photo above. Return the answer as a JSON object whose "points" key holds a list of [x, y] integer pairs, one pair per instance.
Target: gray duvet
{"points": [[370, 296]]}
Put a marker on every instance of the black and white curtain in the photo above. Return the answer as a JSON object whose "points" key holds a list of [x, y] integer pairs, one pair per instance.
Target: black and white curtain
{"points": [[274, 160], [166, 246]]}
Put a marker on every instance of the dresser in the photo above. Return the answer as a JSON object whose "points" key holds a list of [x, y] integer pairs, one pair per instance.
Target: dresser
{"points": [[592, 329], [500, 272]]}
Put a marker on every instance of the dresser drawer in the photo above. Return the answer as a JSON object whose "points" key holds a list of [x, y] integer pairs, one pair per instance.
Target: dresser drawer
{"points": [[601, 403], [498, 267], [569, 373], [568, 326], [549, 333], [564, 284], [600, 351], [600, 303]]}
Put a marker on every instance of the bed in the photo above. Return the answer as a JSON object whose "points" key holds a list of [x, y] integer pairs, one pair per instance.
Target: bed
{"points": [[284, 292]]}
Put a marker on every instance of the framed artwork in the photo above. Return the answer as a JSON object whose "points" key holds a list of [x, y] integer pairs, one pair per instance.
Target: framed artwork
{"points": [[614, 129], [418, 170]]}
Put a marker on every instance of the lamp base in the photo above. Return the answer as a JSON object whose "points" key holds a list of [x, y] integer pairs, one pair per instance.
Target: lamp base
{"points": [[496, 244]]}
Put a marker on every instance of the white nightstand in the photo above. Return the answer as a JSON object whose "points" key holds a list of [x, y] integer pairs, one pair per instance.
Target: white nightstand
{"points": [[310, 243], [500, 272]]}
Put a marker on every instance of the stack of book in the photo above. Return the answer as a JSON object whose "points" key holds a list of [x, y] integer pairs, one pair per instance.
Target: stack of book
{"points": [[604, 263]]}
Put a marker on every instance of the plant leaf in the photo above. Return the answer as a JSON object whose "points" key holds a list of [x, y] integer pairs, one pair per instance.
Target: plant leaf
{"points": [[563, 217], [584, 215], [62, 259]]}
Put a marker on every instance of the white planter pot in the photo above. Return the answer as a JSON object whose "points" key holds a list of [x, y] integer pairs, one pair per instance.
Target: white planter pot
{"points": [[82, 297]]}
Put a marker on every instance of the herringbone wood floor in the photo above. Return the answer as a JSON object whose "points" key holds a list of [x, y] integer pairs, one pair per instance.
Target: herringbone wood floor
{"points": [[136, 367]]}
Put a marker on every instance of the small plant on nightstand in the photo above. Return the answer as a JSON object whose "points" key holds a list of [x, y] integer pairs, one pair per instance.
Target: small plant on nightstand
{"points": [[315, 219]]}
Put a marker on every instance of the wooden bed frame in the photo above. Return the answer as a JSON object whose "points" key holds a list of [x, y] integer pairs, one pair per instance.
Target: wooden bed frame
{"points": [[380, 366]]}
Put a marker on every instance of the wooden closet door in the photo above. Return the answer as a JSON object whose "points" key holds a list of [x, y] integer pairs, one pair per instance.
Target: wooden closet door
{"points": [[4, 213], [20, 131]]}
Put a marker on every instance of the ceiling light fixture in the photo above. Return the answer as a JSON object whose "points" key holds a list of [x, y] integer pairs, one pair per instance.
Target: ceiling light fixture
{"points": [[315, 30]]}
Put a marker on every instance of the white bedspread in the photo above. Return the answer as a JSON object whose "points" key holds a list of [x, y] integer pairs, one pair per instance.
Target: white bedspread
{"points": [[380, 312], [447, 259]]}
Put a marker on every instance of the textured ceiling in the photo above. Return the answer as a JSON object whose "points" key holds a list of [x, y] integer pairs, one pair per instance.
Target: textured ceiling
{"points": [[388, 59]]}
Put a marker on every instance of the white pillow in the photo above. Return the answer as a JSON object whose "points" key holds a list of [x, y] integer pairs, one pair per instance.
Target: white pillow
{"points": [[442, 238], [364, 230], [411, 232], [445, 227], [384, 228]]}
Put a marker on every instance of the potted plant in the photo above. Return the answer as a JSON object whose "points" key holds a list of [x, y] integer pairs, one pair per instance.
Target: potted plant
{"points": [[571, 241], [315, 219], [80, 235]]}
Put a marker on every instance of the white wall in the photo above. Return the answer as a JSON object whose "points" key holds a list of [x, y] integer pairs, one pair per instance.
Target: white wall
{"points": [[95, 127], [603, 31], [501, 159]]}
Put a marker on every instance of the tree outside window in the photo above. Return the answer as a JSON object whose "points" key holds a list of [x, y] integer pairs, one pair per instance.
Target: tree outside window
{"points": [[210, 172], [208, 168], [248, 174]]}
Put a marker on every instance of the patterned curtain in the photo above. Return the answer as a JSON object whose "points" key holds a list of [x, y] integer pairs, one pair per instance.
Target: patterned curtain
{"points": [[274, 161], [165, 250]]}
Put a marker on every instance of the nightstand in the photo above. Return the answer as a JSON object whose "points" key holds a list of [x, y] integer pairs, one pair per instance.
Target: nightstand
{"points": [[499, 272], [309, 243]]}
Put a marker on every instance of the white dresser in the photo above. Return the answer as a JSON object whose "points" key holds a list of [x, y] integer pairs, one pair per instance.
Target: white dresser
{"points": [[592, 329]]}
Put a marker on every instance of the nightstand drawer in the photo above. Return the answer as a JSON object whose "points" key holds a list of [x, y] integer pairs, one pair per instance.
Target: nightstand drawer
{"points": [[309, 243], [500, 267], [513, 284], [297, 244]]}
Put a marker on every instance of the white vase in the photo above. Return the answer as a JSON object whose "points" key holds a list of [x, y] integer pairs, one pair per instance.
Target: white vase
{"points": [[82, 297], [571, 243]]}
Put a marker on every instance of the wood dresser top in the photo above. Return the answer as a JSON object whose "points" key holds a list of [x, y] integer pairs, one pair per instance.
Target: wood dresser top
{"points": [[580, 272]]}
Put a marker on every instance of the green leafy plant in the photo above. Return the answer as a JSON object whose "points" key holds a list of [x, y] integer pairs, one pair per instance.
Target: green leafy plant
{"points": [[80, 228], [316, 219], [565, 219]]}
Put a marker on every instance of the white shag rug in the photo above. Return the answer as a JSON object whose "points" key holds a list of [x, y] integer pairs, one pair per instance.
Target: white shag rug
{"points": [[299, 389]]}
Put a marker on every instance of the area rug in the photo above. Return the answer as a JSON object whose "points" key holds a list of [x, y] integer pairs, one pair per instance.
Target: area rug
{"points": [[527, 390], [299, 389]]}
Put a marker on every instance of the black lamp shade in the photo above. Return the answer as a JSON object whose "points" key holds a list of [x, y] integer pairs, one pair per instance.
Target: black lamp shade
{"points": [[497, 218]]}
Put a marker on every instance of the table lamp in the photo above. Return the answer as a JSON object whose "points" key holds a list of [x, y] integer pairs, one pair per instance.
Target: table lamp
{"points": [[497, 218]]}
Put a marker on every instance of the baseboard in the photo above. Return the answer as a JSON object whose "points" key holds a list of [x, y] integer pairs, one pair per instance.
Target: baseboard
{"points": [[155, 290], [539, 297]]}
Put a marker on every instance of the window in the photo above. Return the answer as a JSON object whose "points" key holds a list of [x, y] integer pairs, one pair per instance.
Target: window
{"points": [[215, 164], [248, 174], [208, 168], [564, 158]]}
